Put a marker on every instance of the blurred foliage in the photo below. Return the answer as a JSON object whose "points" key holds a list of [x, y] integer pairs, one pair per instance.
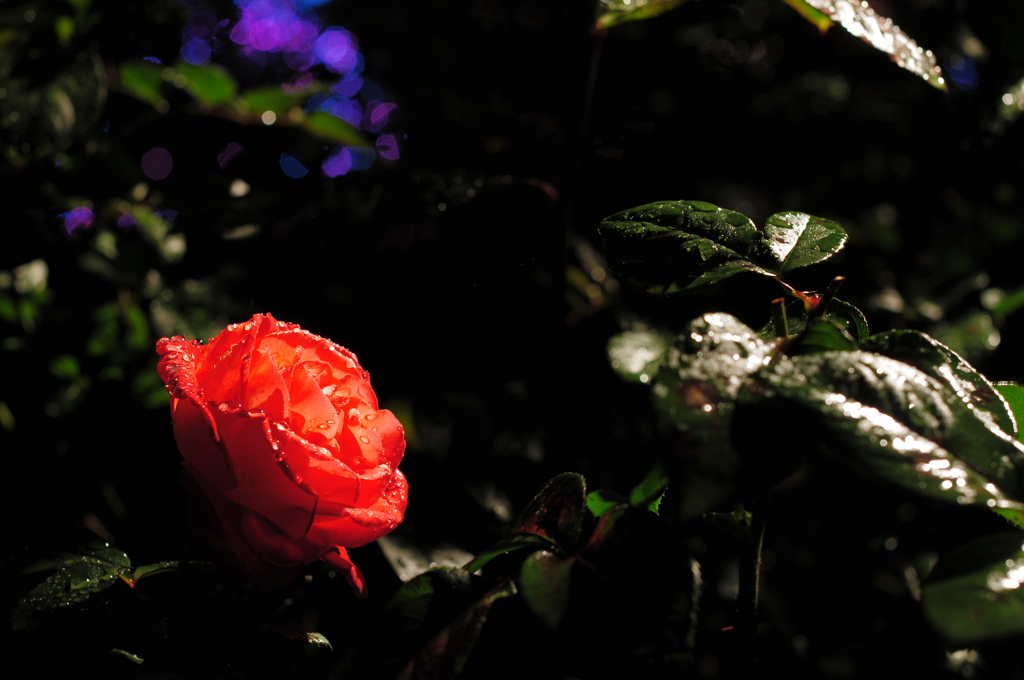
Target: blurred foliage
{"points": [[467, 276]]}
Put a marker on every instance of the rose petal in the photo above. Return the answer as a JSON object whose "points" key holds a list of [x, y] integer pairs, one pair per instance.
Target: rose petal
{"points": [[265, 484], [313, 414], [317, 469], [267, 541], [265, 388], [337, 557], [358, 526], [195, 439], [217, 521]]}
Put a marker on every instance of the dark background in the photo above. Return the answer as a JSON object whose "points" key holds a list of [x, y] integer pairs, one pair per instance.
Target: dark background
{"points": [[483, 323]]}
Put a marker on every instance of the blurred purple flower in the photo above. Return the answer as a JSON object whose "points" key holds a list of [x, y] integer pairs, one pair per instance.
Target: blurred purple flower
{"points": [[77, 218]]}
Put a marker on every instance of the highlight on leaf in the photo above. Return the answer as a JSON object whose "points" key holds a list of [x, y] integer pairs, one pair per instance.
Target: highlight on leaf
{"points": [[615, 12], [860, 20]]}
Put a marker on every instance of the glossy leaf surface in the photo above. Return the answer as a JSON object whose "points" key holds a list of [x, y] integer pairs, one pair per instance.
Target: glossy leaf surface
{"points": [[1013, 395], [897, 423], [975, 593], [78, 577], [636, 355], [860, 20], [558, 511], [695, 394], [682, 246], [940, 362], [615, 12]]}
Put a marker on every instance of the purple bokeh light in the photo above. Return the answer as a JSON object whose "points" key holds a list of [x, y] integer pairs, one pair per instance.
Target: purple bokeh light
{"points": [[230, 152], [348, 158], [77, 218], [387, 147], [126, 219], [377, 115], [157, 163]]}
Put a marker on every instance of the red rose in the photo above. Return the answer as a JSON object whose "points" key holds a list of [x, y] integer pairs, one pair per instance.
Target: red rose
{"points": [[287, 457]]}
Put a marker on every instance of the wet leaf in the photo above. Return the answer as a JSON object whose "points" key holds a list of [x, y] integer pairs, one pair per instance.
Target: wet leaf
{"points": [[636, 355], [682, 246], [78, 577], [334, 129], [694, 396], [848, 318], [894, 422], [544, 584], [791, 240], [141, 79], [940, 362], [1013, 395], [148, 570], [615, 12], [860, 20], [211, 84], [974, 594]]}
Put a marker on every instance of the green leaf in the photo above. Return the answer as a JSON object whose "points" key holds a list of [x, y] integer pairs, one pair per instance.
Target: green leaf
{"points": [[617, 12], [544, 583], [860, 20], [134, 658], [974, 594], [940, 362], [679, 246], [1013, 394], [558, 511], [848, 318], [794, 239], [821, 336], [272, 98], [141, 79], [78, 577], [334, 129], [148, 570], [510, 544], [211, 84], [648, 493], [601, 501], [636, 355], [808, 12], [694, 397], [683, 246], [896, 423]]}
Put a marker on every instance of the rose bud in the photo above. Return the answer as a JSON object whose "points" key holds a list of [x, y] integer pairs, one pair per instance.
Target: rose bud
{"points": [[287, 457]]}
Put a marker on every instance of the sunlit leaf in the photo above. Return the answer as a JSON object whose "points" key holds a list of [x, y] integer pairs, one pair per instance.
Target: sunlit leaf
{"points": [[635, 355], [860, 20], [334, 129], [1013, 394], [940, 362], [682, 246], [210, 84], [896, 423], [649, 492], [544, 583], [141, 79], [792, 240], [615, 12], [603, 500], [78, 577], [694, 396], [848, 318], [811, 14], [974, 594]]}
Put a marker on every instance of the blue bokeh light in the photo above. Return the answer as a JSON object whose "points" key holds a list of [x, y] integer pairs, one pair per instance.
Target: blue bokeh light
{"points": [[291, 166]]}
